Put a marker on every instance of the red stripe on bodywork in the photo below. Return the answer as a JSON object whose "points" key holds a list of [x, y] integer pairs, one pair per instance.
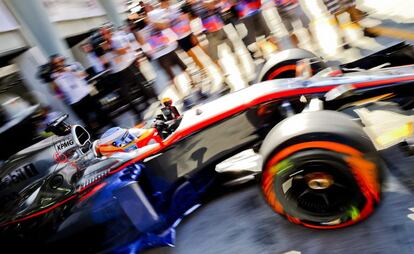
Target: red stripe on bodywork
{"points": [[40, 212], [93, 191]]}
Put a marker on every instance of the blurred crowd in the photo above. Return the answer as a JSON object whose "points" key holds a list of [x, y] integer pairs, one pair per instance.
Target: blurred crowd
{"points": [[175, 35]]}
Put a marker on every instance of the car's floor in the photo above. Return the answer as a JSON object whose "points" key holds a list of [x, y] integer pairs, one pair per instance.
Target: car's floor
{"points": [[241, 222]]}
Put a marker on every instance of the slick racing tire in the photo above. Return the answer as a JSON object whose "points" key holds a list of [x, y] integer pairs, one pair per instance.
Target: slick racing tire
{"points": [[283, 64], [320, 170]]}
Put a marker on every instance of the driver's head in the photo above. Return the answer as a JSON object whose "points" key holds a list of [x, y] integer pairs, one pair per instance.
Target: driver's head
{"points": [[126, 139], [117, 137]]}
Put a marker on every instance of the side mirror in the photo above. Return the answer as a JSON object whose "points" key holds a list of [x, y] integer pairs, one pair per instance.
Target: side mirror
{"points": [[80, 135], [59, 126]]}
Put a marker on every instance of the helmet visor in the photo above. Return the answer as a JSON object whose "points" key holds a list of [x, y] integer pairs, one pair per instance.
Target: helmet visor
{"points": [[124, 140]]}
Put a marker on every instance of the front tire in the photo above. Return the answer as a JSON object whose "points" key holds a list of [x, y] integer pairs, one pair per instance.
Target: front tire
{"points": [[324, 175]]}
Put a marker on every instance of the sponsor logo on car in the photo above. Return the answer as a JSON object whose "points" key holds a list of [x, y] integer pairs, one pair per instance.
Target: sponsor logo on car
{"points": [[65, 144], [18, 175]]}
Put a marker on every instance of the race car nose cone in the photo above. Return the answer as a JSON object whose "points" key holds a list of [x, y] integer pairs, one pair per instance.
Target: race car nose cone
{"points": [[319, 180]]}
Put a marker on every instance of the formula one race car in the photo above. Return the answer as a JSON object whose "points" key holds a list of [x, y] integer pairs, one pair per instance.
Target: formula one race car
{"points": [[319, 141]]}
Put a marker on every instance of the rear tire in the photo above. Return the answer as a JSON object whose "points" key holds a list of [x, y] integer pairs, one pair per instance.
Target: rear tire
{"points": [[320, 170], [283, 64]]}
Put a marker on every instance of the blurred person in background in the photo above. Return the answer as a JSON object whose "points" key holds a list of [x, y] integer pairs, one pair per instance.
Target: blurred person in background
{"points": [[228, 12], [291, 11], [159, 42], [145, 7], [93, 60], [137, 16], [46, 116], [69, 83], [209, 12], [249, 13], [121, 58], [133, 43], [137, 20], [338, 7], [179, 21]]}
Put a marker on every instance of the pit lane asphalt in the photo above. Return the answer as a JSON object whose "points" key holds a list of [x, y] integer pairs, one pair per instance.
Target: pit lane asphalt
{"points": [[241, 222]]}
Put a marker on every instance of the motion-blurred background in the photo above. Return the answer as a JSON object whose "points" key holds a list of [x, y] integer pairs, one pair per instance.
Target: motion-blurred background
{"points": [[109, 62]]}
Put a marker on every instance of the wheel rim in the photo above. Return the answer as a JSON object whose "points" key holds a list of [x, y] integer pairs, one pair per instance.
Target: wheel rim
{"points": [[361, 172], [322, 190], [319, 180]]}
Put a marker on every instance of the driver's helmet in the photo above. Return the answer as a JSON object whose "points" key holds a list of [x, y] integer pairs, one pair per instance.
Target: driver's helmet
{"points": [[166, 102], [119, 139]]}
